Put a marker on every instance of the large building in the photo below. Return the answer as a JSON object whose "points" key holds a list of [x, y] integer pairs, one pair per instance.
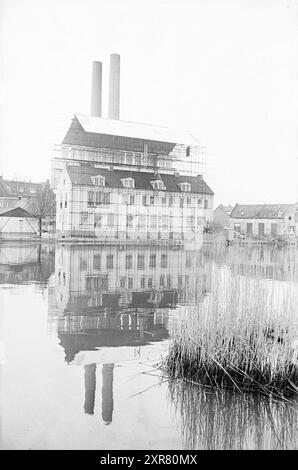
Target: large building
{"points": [[121, 180]]}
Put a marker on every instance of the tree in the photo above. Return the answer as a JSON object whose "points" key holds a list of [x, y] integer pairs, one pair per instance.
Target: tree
{"points": [[43, 204]]}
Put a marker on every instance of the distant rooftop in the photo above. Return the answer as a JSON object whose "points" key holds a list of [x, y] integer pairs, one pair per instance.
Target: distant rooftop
{"points": [[261, 211], [134, 130]]}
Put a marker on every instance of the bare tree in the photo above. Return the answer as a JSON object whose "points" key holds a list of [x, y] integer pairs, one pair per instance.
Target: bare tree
{"points": [[43, 204]]}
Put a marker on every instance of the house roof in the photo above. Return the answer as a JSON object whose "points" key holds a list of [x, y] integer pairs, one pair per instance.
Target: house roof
{"points": [[81, 175], [261, 211], [10, 188], [15, 212], [135, 130]]}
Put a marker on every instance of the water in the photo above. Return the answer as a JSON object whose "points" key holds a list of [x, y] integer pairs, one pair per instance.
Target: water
{"points": [[84, 328]]}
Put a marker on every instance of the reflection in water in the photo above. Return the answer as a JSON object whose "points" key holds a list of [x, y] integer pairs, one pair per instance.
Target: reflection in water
{"points": [[26, 263], [90, 387], [225, 420], [107, 392]]}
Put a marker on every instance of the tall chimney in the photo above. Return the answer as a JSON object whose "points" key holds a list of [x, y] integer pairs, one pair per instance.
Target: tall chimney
{"points": [[96, 89], [114, 87]]}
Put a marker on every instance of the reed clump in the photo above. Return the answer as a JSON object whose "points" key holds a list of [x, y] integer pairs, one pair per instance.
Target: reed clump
{"points": [[243, 335]]}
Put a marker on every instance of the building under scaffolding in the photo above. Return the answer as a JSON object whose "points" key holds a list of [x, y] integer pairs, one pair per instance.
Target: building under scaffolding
{"points": [[121, 180]]}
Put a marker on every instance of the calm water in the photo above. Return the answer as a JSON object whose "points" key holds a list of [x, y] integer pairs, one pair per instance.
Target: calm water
{"points": [[83, 329]]}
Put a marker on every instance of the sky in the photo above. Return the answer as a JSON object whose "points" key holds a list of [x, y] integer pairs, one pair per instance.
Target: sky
{"points": [[225, 70]]}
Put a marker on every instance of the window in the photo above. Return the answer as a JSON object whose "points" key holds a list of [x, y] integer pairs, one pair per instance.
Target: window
{"points": [[171, 201], [98, 180], [141, 261], [163, 201], [144, 200], [188, 261], [83, 264], [129, 221], [131, 199], [110, 221], [152, 260], [130, 283], [190, 221], [261, 229], [128, 182], [84, 217], [200, 201], [169, 281], [122, 282], [249, 228], [153, 221], [128, 262], [158, 184], [206, 203], [151, 200], [106, 198], [96, 261], [181, 202], [188, 201], [97, 220], [164, 261], [110, 259], [33, 190], [150, 283], [142, 283], [187, 151], [274, 230], [165, 222], [90, 199], [237, 228], [186, 187], [162, 281]]}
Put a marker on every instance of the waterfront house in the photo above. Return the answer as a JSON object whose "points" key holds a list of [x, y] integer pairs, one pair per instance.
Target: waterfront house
{"points": [[265, 220]]}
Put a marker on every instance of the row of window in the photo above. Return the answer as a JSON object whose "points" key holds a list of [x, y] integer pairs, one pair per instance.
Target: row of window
{"points": [[96, 198], [102, 282], [261, 228], [128, 262], [138, 221]]}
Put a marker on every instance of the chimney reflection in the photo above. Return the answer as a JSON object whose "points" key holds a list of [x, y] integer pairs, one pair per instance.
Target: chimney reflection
{"points": [[90, 387], [107, 393]]}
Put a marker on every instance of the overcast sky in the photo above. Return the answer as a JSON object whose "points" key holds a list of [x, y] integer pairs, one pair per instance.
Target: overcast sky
{"points": [[225, 70]]}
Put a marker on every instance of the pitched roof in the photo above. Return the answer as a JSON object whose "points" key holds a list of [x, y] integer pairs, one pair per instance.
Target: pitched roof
{"points": [[81, 175], [12, 188], [261, 211], [15, 212], [136, 130]]}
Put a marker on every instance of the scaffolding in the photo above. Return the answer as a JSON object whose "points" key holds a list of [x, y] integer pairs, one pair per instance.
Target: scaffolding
{"points": [[111, 187]]}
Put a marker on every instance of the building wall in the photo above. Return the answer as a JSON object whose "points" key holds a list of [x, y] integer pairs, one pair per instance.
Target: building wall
{"points": [[130, 213], [17, 227], [283, 226]]}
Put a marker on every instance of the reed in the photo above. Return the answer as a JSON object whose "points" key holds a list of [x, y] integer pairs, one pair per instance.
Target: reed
{"points": [[228, 420], [243, 335]]}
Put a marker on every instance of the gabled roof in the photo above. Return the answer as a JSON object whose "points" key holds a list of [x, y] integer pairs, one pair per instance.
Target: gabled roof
{"points": [[135, 130], [81, 175], [10, 188], [15, 212], [261, 211]]}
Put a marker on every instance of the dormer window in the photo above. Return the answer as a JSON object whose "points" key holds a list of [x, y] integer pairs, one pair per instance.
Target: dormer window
{"points": [[98, 180], [158, 184], [185, 187], [128, 182]]}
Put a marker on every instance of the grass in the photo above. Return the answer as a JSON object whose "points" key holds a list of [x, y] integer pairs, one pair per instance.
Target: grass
{"points": [[243, 335]]}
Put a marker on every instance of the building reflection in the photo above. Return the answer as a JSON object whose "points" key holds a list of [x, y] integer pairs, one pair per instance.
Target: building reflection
{"points": [[25, 263], [106, 297]]}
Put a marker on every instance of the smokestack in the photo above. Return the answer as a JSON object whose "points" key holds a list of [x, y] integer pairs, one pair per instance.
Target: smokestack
{"points": [[96, 89], [114, 87]]}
